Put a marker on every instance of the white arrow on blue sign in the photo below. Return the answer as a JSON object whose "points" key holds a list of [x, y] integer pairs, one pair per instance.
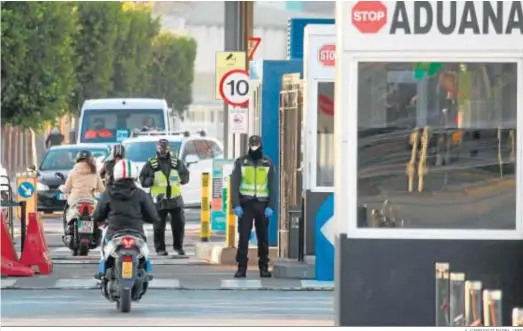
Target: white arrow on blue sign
{"points": [[26, 190]]}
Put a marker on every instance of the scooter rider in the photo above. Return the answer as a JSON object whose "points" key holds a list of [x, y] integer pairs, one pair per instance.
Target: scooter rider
{"points": [[79, 185], [124, 206], [117, 154]]}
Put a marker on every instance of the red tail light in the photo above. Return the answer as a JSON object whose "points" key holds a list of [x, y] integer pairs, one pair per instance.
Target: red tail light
{"points": [[127, 259], [85, 208], [127, 242]]}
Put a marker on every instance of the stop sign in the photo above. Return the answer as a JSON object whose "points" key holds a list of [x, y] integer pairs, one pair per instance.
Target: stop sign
{"points": [[369, 16], [327, 55]]}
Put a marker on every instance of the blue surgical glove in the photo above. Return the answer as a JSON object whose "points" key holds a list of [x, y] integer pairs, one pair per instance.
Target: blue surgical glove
{"points": [[238, 211], [268, 212]]}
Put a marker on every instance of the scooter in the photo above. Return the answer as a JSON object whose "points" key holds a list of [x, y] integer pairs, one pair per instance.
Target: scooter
{"points": [[125, 278], [79, 236]]}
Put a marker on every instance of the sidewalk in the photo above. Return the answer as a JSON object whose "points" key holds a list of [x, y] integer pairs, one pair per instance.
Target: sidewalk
{"points": [[181, 277]]}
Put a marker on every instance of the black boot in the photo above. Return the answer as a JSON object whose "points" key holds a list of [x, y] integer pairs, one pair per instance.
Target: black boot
{"points": [[241, 273], [264, 272]]}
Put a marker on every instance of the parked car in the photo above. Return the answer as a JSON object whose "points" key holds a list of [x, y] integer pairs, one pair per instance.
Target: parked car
{"points": [[59, 160], [197, 151]]}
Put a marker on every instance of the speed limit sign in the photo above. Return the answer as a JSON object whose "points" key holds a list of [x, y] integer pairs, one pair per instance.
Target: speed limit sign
{"points": [[234, 88]]}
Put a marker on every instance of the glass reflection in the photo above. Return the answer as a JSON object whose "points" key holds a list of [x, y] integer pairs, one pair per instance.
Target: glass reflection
{"points": [[437, 145]]}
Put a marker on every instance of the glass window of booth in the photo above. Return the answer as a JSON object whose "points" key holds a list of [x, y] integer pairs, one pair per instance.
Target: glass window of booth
{"points": [[325, 135], [437, 145]]}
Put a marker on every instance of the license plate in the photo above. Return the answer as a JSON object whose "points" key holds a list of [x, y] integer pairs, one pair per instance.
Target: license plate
{"points": [[85, 226], [127, 270], [61, 196]]}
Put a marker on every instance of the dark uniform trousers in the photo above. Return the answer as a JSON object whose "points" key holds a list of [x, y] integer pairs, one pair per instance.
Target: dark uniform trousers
{"points": [[253, 210], [177, 228]]}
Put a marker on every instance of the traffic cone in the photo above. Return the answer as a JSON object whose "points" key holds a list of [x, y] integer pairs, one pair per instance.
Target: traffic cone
{"points": [[9, 265], [35, 254]]}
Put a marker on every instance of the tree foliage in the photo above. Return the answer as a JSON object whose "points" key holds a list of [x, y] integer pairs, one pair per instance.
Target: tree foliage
{"points": [[57, 54], [38, 76], [172, 66]]}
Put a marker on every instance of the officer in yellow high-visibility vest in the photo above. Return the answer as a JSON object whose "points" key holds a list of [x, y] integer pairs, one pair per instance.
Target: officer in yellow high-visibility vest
{"points": [[252, 197], [164, 174]]}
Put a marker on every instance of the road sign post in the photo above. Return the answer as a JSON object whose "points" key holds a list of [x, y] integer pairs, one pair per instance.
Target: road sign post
{"points": [[327, 55], [369, 16], [252, 46], [226, 62], [26, 191], [234, 88], [239, 120]]}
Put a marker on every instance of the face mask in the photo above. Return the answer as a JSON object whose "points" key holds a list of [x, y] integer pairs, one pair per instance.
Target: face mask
{"points": [[254, 148]]}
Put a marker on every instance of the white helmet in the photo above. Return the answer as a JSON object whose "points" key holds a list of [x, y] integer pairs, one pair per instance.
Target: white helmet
{"points": [[125, 169]]}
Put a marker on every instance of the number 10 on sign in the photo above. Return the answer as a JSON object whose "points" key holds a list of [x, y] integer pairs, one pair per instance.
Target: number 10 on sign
{"points": [[234, 88]]}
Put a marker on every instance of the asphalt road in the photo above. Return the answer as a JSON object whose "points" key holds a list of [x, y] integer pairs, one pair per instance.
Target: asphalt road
{"points": [[168, 308]]}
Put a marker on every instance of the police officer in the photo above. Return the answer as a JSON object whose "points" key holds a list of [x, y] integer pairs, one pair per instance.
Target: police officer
{"points": [[252, 197], [164, 174]]}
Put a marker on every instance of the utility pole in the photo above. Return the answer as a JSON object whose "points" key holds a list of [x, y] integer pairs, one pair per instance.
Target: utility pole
{"points": [[238, 28]]}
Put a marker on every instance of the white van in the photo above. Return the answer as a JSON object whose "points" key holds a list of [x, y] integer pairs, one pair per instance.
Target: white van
{"points": [[110, 121]]}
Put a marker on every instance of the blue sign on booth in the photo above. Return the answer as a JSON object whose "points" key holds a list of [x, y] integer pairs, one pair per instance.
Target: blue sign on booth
{"points": [[26, 190]]}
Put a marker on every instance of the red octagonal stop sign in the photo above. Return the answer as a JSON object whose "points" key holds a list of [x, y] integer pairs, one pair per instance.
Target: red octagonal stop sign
{"points": [[327, 55], [369, 16]]}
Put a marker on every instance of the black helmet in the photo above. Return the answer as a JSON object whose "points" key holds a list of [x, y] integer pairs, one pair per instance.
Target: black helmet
{"points": [[255, 140], [83, 155], [118, 151]]}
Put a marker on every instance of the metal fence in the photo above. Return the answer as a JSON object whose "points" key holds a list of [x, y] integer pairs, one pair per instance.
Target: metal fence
{"points": [[462, 302], [290, 118]]}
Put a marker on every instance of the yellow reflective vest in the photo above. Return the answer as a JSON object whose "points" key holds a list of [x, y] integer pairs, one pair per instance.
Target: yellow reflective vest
{"points": [[254, 181], [162, 182]]}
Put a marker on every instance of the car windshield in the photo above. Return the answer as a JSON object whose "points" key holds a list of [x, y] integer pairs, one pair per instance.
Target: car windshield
{"points": [[141, 151], [64, 159], [111, 126]]}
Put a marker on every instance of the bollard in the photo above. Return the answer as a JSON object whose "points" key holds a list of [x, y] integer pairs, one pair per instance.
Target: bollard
{"points": [[457, 299], [230, 233], [492, 314], [517, 317], [205, 215], [473, 305], [442, 293]]}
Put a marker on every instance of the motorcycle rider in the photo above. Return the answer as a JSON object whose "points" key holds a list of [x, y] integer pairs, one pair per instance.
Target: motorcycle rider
{"points": [[125, 207], [79, 185], [164, 174], [117, 154]]}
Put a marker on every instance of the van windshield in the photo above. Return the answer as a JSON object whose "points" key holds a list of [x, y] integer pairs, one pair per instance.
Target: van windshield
{"points": [[112, 126]]}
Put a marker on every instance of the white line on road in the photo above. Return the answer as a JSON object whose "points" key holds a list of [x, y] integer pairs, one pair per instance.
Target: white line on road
{"points": [[7, 282], [241, 283]]}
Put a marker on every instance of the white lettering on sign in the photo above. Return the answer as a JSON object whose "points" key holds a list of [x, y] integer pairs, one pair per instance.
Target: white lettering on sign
{"points": [[372, 16]]}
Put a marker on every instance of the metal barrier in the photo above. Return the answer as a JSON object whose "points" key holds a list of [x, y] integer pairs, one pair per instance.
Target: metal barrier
{"points": [[7, 196], [290, 195], [462, 303], [517, 317]]}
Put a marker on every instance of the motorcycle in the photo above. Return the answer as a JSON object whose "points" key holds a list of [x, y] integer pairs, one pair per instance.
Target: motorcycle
{"points": [[79, 227], [124, 276]]}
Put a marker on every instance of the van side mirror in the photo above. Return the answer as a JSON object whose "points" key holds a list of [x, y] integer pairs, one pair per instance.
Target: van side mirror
{"points": [[32, 168]]}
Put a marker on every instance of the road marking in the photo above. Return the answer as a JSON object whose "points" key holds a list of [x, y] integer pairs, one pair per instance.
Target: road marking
{"points": [[6, 283], [65, 283], [317, 284], [164, 284], [241, 284]]}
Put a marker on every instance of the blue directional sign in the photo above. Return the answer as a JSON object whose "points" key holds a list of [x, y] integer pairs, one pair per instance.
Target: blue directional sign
{"points": [[26, 190]]}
